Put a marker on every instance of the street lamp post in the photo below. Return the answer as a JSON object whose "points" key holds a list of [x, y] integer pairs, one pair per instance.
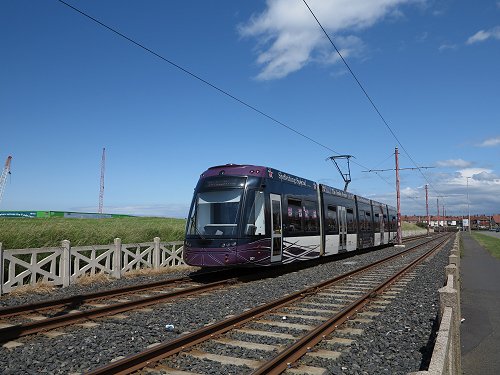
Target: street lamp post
{"points": [[468, 203]]}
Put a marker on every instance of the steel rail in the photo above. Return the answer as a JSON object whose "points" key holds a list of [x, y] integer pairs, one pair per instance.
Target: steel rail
{"points": [[19, 330], [138, 361], [83, 298], [414, 238], [78, 300], [293, 353]]}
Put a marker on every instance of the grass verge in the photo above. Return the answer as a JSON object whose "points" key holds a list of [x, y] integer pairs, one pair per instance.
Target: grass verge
{"points": [[19, 233], [490, 243], [410, 226]]}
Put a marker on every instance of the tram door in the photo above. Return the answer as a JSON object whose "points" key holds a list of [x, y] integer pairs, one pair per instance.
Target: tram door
{"points": [[382, 229], [276, 228], [342, 219]]}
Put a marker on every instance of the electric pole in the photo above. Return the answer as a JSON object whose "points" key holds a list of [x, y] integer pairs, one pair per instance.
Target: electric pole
{"points": [[427, 207], [398, 196], [398, 199]]}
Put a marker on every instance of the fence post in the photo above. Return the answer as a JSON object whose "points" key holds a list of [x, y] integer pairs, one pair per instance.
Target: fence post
{"points": [[448, 297], [156, 253], [1, 269], [65, 264], [117, 257], [452, 270], [453, 259]]}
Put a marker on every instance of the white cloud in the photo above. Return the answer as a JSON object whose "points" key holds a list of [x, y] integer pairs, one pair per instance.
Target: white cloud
{"points": [[422, 37], [458, 163], [485, 176], [482, 189], [289, 38], [444, 47], [483, 35], [469, 172], [490, 142]]}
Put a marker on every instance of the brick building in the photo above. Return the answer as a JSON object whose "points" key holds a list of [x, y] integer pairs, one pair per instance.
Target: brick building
{"points": [[477, 221]]}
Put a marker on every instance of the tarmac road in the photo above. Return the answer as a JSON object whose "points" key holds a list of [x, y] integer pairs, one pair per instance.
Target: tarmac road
{"points": [[480, 307]]}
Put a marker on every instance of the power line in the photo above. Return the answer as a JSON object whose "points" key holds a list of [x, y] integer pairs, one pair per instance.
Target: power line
{"points": [[367, 96], [206, 82], [195, 76]]}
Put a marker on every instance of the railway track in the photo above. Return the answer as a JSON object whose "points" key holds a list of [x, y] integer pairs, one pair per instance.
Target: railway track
{"points": [[23, 320], [293, 318]]}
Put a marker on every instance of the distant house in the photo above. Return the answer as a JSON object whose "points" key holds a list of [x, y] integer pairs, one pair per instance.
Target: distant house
{"points": [[477, 221], [495, 220]]}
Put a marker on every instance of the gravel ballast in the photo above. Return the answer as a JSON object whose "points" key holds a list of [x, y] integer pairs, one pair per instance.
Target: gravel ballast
{"points": [[397, 342]]}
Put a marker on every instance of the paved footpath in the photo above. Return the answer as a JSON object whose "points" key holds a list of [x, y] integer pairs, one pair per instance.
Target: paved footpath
{"points": [[480, 307]]}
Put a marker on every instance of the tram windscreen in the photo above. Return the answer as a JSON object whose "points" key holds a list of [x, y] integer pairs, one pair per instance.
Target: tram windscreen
{"points": [[216, 213]]}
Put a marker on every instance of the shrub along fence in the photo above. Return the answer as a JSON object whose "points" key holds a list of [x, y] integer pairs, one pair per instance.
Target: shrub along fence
{"points": [[62, 265]]}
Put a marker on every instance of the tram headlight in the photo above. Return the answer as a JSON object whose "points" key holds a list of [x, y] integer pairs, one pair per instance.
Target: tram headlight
{"points": [[228, 244]]}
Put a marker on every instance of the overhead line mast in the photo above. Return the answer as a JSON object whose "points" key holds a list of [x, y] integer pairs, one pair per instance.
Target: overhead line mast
{"points": [[101, 191], [3, 177]]}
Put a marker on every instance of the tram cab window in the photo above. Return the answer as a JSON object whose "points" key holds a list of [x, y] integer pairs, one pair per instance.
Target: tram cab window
{"points": [[254, 222], [216, 213]]}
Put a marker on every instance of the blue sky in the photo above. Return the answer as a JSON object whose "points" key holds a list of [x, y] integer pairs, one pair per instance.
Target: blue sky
{"points": [[69, 87]]}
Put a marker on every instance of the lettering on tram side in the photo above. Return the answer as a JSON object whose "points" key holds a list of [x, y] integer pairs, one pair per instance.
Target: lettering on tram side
{"points": [[292, 179], [336, 192], [285, 177]]}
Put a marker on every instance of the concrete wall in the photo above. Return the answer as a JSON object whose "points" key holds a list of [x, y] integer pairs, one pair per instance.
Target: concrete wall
{"points": [[446, 357]]}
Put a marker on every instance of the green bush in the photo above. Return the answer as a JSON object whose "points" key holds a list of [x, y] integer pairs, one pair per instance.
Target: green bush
{"points": [[19, 233]]}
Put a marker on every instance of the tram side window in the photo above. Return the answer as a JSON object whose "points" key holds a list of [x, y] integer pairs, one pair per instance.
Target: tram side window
{"points": [[362, 221], [386, 223], [331, 220], [394, 225], [294, 216], [311, 216], [351, 223], [255, 222], [368, 220]]}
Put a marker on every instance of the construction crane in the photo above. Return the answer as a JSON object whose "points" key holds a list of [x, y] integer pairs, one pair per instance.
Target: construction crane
{"points": [[3, 178], [101, 191]]}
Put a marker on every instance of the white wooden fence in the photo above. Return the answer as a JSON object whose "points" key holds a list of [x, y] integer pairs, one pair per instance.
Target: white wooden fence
{"points": [[62, 265]]}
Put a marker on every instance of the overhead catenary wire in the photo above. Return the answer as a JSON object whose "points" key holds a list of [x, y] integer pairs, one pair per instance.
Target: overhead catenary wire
{"points": [[368, 96], [196, 76], [204, 81], [213, 86]]}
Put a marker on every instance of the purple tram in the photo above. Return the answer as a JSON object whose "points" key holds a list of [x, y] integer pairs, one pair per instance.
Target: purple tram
{"points": [[245, 215]]}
